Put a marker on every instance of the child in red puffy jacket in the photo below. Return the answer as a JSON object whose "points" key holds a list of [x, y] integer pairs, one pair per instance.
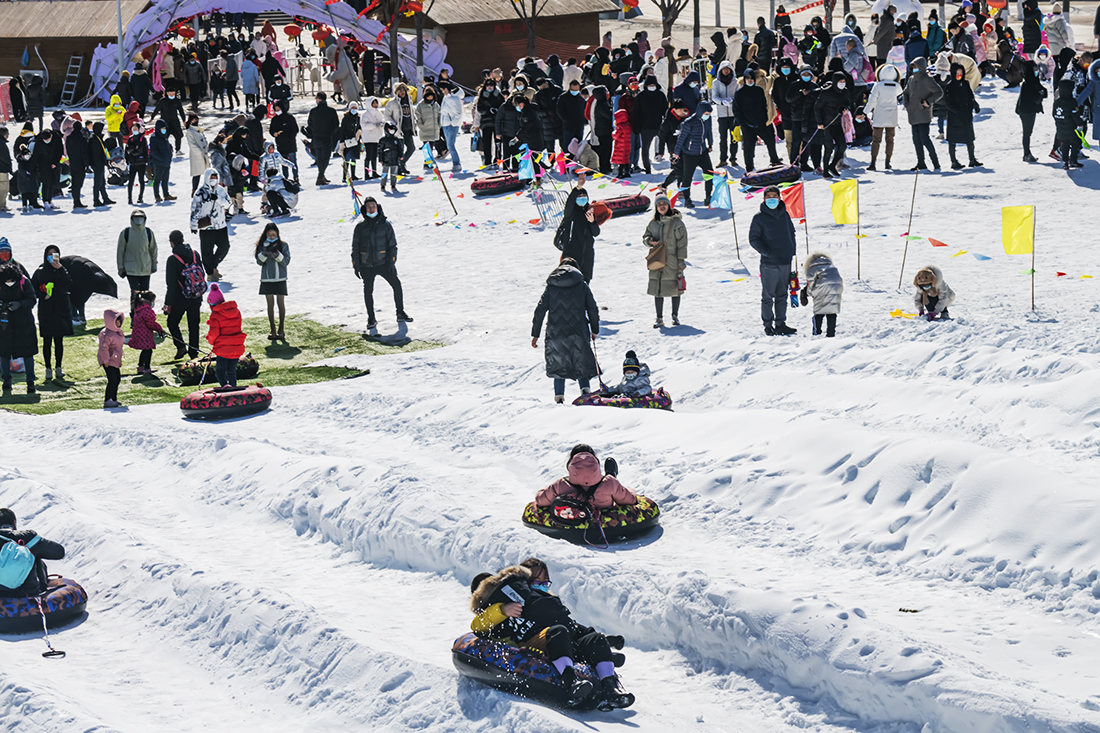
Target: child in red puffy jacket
{"points": [[620, 153], [143, 327], [225, 337]]}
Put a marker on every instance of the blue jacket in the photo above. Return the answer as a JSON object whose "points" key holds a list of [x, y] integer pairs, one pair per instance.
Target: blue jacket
{"points": [[160, 150], [695, 136], [916, 47], [684, 91]]}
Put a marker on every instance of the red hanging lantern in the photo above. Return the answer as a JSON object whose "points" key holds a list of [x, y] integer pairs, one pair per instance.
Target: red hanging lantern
{"points": [[630, 3], [292, 30], [360, 49], [320, 34], [414, 6], [186, 31]]}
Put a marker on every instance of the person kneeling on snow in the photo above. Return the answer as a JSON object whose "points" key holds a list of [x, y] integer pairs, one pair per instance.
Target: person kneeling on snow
{"points": [[587, 480], [35, 582], [825, 286], [515, 606], [635, 378], [933, 295]]}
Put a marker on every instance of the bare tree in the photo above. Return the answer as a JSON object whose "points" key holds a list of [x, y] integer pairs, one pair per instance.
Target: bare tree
{"points": [[528, 11], [670, 11], [420, 43]]}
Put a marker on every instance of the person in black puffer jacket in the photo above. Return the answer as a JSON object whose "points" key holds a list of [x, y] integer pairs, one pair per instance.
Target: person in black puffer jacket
{"points": [[51, 284], [374, 254], [1033, 26], [576, 235], [601, 120], [572, 323], [650, 107], [751, 105], [42, 549], [17, 337], [6, 169], [805, 144], [1029, 104], [508, 120], [489, 103], [831, 102], [570, 110], [772, 235], [961, 108], [546, 103], [176, 305]]}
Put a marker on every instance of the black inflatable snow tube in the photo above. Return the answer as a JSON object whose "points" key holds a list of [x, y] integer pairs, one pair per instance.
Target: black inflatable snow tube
{"points": [[63, 601]]}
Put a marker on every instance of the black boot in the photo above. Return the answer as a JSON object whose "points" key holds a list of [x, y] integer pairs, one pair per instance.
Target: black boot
{"points": [[614, 696], [403, 317], [782, 329], [955, 164], [576, 690], [611, 468]]}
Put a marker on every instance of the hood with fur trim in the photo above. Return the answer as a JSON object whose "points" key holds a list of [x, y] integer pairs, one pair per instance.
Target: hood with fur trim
{"points": [[480, 599]]}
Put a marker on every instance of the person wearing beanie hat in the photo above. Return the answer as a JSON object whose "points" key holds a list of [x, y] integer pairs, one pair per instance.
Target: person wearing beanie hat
{"points": [[1060, 40], [183, 274], [635, 378], [6, 256], [374, 254], [225, 336], [666, 238]]}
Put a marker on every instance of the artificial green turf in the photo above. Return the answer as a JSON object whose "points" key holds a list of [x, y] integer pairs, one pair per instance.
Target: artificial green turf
{"points": [[281, 364]]}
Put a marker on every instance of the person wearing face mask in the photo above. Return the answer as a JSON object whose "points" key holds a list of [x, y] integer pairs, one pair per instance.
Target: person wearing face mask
{"points": [[284, 131], [961, 108], [649, 109], [426, 115], [570, 108], [577, 232], [781, 81], [689, 92], [882, 108], [751, 104], [160, 157], [136, 253], [208, 207], [692, 151], [1029, 104], [722, 90], [17, 338], [76, 148], [489, 103], [935, 38], [772, 235], [572, 324], [522, 85], [933, 295], [374, 254], [273, 255], [805, 143], [51, 285], [350, 147], [921, 92], [831, 103], [666, 230]]}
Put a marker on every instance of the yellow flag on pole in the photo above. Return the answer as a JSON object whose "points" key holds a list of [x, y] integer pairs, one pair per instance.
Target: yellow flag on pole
{"points": [[1018, 229], [846, 201]]}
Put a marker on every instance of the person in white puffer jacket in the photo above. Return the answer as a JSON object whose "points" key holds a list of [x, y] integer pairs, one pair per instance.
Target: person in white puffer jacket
{"points": [[882, 108], [825, 287], [450, 119], [371, 122], [722, 90]]}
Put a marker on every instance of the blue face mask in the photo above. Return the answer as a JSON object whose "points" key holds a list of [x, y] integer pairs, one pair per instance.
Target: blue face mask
{"points": [[273, 237], [163, 132], [931, 22], [574, 92], [772, 203], [693, 85], [544, 587], [582, 201], [786, 70], [50, 258], [371, 214], [806, 77], [706, 117]]}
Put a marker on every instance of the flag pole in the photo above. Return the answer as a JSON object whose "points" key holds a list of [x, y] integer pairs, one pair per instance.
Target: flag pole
{"points": [[908, 229], [733, 218], [859, 257], [1033, 260], [805, 225], [435, 169]]}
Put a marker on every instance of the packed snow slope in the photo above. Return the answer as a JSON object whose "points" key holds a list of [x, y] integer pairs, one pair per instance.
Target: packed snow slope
{"points": [[308, 568]]}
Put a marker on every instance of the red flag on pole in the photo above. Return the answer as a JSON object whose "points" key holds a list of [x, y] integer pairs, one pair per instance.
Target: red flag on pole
{"points": [[792, 197]]}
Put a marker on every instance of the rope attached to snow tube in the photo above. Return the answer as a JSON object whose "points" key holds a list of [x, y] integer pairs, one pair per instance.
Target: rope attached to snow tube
{"points": [[221, 403], [520, 671], [772, 176], [500, 183], [657, 400], [620, 522], [63, 600], [623, 205], [202, 370]]}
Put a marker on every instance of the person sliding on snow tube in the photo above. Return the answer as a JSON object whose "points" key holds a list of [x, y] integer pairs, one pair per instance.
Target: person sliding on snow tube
{"points": [[585, 477], [933, 295], [515, 606], [635, 378], [34, 581]]}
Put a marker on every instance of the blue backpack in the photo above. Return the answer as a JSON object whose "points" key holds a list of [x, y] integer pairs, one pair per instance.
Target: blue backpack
{"points": [[16, 562]]}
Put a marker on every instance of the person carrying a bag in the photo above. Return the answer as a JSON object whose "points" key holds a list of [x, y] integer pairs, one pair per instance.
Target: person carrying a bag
{"points": [[666, 237]]}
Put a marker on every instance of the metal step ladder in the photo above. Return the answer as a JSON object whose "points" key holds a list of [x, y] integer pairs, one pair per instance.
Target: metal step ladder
{"points": [[72, 76]]}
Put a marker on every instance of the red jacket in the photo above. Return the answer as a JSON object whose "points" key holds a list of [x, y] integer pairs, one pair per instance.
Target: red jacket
{"points": [[143, 326], [225, 337], [620, 153]]}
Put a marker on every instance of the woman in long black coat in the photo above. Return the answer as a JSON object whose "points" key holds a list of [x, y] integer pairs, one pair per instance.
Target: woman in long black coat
{"points": [[572, 322], [961, 108], [576, 235], [51, 286], [26, 168], [16, 324], [602, 127]]}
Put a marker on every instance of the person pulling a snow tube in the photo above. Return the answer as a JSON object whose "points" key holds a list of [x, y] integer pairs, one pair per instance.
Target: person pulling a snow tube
{"points": [[201, 371], [500, 183], [27, 592], [623, 205], [222, 403], [633, 391], [525, 641], [772, 176], [590, 505]]}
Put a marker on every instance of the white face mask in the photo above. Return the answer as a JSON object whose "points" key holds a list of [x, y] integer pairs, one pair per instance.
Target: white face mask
{"points": [[10, 283]]}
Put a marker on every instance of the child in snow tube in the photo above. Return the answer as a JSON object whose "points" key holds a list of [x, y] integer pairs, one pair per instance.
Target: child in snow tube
{"points": [[633, 391], [24, 582], [526, 641], [588, 498]]}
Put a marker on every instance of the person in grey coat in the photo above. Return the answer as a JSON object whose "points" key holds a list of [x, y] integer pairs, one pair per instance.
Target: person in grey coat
{"points": [[572, 319], [920, 94], [772, 235], [825, 286]]}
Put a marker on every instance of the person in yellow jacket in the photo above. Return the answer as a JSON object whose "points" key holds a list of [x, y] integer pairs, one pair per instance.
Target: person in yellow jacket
{"points": [[113, 114]]}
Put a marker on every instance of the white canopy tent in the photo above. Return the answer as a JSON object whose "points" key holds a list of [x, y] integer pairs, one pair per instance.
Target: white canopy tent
{"points": [[154, 23]]}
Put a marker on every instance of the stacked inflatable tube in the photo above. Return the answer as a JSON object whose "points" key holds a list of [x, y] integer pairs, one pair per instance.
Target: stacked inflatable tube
{"points": [[656, 400], [623, 205], [619, 522], [202, 370], [221, 403], [772, 176], [500, 183], [64, 600], [523, 672]]}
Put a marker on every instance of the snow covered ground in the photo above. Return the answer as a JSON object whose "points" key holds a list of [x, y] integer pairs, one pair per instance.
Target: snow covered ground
{"points": [[308, 568]]}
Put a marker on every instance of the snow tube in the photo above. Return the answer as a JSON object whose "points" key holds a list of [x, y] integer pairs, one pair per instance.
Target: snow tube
{"points": [[659, 400], [623, 205], [772, 176], [220, 403], [619, 522], [524, 672], [203, 369], [64, 600], [500, 183]]}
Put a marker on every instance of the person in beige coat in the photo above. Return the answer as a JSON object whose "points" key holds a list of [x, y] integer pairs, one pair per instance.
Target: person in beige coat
{"points": [[667, 228], [196, 144]]}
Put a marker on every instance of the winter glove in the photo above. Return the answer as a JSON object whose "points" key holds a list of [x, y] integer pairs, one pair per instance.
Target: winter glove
{"points": [[920, 312], [14, 305], [358, 275], [122, 273], [616, 642], [804, 296], [931, 316]]}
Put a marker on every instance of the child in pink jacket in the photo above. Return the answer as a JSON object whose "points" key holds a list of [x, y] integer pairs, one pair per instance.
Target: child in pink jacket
{"points": [[111, 342], [586, 477], [142, 330]]}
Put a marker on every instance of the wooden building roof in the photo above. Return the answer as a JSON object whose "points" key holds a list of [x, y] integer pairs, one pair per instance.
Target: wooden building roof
{"points": [[66, 18], [459, 12]]}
